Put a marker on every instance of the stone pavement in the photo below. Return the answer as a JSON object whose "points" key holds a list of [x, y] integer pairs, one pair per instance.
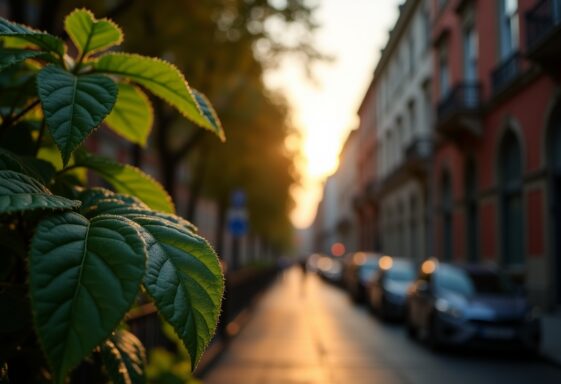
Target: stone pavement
{"points": [[305, 331]]}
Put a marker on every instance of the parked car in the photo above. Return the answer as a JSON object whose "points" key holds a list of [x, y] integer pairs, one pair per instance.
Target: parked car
{"points": [[452, 305], [330, 269], [387, 290], [358, 269]]}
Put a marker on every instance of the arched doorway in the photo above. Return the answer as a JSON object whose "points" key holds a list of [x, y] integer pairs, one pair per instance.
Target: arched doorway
{"points": [[447, 207], [554, 164], [512, 218], [472, 217]]}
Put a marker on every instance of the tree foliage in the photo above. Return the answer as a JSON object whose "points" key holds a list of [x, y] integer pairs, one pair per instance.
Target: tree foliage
{"points": [[74, 259], [226, 46]]}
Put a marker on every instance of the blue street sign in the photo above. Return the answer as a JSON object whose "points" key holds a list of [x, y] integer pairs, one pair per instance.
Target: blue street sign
{"points": [[237, 222]]}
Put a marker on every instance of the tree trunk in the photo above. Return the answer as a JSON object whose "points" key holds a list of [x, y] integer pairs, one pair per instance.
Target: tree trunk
{"points": [[196, 186], [165, 157], [17, 11], [220, 225], [48, 16]]}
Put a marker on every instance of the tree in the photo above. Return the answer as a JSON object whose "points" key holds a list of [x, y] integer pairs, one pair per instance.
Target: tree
{"points": [[225, 46]]}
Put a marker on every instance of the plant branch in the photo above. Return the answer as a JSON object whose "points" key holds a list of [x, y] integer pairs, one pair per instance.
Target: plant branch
{"points": [[40, 137], [69, 168], [13, 119], [188, 144]]}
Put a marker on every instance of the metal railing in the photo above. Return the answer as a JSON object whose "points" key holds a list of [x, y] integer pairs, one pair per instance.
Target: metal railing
{"points": [[464, 96], [541, 20], [506, 72], [419, 148]]}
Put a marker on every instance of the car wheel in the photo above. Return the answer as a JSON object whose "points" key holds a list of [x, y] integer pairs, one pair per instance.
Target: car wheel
{"points": [[411, 330], [432, 335]]}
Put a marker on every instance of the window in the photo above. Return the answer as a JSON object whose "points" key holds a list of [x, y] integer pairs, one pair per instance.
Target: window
{"points": [[412, 54], [412, 120], [510, 173], [471, 212], [470, 53], [447, 201], [509, 29], [444, 72], [426, 27], [414, 237]]}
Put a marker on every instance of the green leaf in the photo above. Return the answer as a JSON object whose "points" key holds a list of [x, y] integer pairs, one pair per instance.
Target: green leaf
{"points": [[132, 117], [42, 40], [90, 198], [124, 358], [74, 105], [13, 56], [183, 276], [159, 77], [128, 180], [21, 193], [90, 35], [209, 112], [99, 201], [84, 276], [116, 206]]}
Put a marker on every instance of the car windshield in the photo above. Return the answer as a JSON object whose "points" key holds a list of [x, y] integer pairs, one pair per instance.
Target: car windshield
{"points": [[367, 269], [401, 273], [491, 283], [472, 282]]}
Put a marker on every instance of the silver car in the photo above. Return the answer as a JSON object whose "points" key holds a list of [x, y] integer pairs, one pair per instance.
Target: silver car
{"points": [[451, 305]]}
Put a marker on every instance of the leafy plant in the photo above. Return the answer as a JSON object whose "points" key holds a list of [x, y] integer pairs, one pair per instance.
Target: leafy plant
{"points": [[74, 259]]}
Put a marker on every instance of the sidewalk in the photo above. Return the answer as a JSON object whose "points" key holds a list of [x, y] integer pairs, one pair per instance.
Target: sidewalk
{"points": [[551, 340]]}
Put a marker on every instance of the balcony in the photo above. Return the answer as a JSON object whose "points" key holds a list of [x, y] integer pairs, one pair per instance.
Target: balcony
{"points": [[543, 34], [459, 111], [506, 73]]}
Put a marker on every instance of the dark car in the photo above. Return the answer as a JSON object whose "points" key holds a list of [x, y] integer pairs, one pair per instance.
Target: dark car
{"points": [[387, 290], [358, 269], [451, 305]]}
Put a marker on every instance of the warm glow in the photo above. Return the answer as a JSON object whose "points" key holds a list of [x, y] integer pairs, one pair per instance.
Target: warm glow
{"points": [[386, 262], [428, 267], [338, 249], [359, 258], [325, 263], [325, 110]]}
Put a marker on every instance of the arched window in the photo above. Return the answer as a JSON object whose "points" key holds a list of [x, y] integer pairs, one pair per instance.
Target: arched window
{"points": [[554, 165], [510, 173], [447, 207], [472, 215]]}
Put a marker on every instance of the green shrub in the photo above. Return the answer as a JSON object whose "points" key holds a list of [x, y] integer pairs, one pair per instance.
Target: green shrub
{"points": [[74, 259]]}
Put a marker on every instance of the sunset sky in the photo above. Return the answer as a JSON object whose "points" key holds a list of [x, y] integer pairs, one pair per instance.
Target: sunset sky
{"points": [[353, 32]]}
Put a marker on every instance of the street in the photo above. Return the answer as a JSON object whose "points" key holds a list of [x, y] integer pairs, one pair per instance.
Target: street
{"points": [[306, 331]]}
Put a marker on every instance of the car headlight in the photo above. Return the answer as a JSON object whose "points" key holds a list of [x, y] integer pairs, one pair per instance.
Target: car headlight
{"points": [[444, 306]]}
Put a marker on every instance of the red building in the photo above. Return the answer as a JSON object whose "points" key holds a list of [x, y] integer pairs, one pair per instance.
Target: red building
{"points": [[496, 177]]}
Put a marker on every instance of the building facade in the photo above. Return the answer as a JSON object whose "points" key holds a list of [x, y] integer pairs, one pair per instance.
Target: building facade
{"points": [[364, 203], [404, 134], [495, 169]]}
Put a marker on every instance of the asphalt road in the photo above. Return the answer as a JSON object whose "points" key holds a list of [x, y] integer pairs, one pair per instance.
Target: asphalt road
{"points": [[306, 331]]}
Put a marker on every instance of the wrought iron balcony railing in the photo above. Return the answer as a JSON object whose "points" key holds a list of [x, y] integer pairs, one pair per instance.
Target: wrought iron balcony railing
{"points": [[463, 97], [506, 72], [541, 20]]}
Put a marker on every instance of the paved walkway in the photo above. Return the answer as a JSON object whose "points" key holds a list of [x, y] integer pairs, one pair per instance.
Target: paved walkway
{"points": [[309, 332]]}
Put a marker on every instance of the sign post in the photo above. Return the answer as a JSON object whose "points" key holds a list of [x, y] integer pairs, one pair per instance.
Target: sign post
{"points": [[237, 224]]}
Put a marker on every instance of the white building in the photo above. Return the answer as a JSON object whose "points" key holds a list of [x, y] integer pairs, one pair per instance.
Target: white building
{"points": [[404, 132]]}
